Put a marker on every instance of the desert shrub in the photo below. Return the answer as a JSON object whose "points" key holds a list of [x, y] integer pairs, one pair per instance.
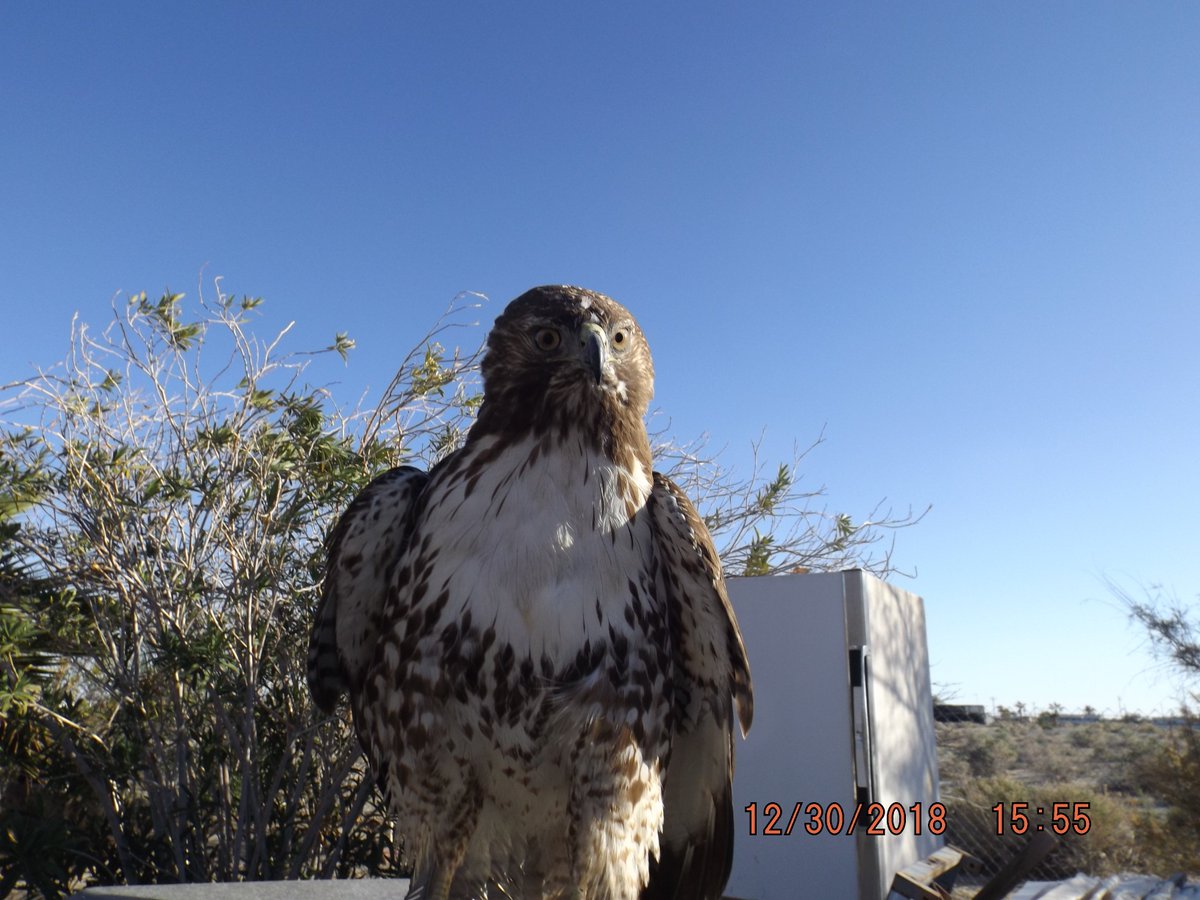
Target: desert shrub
{"points": [[1171, 831], [1083, 737], [163, 515], [989, 753]]}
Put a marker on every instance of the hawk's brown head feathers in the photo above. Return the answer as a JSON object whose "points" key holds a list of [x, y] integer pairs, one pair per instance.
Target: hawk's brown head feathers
{"points": [[564, 359]]}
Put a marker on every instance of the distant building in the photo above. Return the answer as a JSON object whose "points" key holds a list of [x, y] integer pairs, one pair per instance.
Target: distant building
{"points": [[957, 712], [1078, 718]]}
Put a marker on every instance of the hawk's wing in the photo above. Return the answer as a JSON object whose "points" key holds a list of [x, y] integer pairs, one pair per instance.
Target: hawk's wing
{"points": [[363, 548], [711, 673]]}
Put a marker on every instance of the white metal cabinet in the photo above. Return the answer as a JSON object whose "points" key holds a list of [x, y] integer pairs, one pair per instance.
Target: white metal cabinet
{"points": [[824, 735]]}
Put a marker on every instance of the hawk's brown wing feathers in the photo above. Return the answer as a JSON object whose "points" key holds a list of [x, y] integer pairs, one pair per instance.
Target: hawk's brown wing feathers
{"points": [[711, 674], [362, 548]]}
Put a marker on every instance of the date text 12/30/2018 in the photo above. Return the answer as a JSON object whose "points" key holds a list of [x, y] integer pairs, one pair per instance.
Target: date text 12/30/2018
{"points": [[768, 819], [1014, 818]]}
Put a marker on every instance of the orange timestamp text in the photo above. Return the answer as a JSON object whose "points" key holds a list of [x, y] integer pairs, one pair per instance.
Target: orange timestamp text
{"points": [[768, 819], [1065, 818]]}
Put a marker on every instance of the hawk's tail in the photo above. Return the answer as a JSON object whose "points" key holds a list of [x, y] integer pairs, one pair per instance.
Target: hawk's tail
{"points": [[326, 679]]}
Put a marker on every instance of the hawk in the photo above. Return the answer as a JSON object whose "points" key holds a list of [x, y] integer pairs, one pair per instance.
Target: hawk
{"points": [[541, 658]]}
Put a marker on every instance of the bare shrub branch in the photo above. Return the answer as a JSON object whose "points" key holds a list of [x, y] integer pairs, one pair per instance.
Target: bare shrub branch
{"points": [[1174, 633], [765, 523]]}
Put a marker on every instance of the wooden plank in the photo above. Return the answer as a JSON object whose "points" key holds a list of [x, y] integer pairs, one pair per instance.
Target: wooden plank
{"points": [[919, 880]]}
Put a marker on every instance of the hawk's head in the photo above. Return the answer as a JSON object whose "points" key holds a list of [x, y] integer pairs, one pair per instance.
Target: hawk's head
{"points": [[564, 358]]}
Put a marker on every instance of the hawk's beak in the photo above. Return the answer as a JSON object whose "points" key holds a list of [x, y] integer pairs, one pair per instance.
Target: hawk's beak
{"points": [[593, 349]]}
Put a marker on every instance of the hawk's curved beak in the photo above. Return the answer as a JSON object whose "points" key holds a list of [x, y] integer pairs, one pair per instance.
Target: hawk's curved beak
{"points": [[593, 349]]}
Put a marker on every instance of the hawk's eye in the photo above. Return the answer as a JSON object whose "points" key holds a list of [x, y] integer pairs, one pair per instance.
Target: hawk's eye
{"points": [[620, 339], [547, 338]]}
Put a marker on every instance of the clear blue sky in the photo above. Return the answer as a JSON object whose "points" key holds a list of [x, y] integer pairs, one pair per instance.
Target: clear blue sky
{"points": [[963, 239]]}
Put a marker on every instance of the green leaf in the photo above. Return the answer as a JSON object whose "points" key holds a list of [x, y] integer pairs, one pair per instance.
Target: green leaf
{"points": [[758, 560], [342, 344], [184, 336], [150, 491], [262, 399]]}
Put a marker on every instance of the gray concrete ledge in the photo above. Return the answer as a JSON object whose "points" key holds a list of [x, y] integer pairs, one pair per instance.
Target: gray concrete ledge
{"points": [[358, 889]]}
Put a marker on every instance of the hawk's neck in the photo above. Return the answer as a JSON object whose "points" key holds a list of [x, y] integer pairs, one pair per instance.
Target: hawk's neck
{"points": [[601, 434]]}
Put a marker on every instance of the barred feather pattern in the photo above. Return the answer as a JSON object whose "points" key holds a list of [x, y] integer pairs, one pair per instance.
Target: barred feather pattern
{"points": [[362, 550], [712, 678]]}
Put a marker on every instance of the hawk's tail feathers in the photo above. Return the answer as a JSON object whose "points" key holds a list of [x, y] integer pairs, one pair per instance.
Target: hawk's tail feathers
{"points": [[326, 679], [696, 849]]}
